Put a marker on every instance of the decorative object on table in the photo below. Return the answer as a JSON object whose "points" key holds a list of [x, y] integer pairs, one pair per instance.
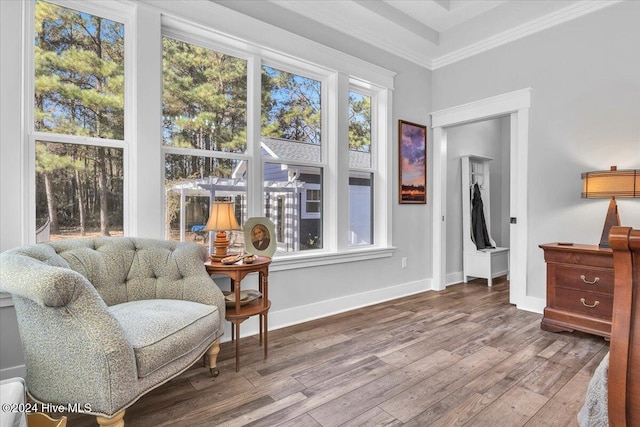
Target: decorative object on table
{"points": [[231, 259], [412, 140], [260, 236], [246, 297], [244, 257], [222, 218], [611, 184]]}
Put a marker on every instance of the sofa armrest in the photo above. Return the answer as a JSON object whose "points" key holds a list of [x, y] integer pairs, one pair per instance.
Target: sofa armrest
{"points": [[39, 282], [68, 332]]}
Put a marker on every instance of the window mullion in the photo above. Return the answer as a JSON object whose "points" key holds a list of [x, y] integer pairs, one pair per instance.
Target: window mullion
{"points": [[145, 151], [255, 184], [383, 176], [337, 179]]}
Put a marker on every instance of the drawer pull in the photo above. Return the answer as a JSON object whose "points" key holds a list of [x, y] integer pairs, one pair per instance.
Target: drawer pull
{"points": [[584, 279], [582, 300]]}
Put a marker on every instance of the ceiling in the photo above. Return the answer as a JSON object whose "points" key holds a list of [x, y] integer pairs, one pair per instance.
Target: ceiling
{"points": [[432, 33]]}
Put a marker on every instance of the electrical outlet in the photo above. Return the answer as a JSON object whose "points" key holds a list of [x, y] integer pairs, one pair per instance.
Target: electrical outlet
{"points": [[404, 262]]}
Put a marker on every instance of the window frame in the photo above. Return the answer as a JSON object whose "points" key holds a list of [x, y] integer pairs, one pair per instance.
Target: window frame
{"points": [[108, 9], [141, 157]]}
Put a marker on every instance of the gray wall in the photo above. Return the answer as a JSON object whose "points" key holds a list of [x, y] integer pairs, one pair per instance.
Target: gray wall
{"points": [[489, 138], [585, 115]]}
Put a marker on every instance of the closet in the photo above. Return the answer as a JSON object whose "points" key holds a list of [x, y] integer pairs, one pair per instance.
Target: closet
{"points": [[481, 258]]}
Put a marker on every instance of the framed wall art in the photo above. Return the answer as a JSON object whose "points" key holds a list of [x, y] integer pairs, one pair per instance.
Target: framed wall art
{"points": [[412, 141]]}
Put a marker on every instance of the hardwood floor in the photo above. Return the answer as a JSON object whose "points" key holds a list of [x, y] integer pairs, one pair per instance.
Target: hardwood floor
{"points": [[462, 357]]}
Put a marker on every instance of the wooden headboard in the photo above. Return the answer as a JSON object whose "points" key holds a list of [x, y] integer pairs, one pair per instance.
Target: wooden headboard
{"points": [[624, 358]]}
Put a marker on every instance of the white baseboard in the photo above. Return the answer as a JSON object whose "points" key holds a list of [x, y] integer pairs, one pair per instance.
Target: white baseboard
{"points": [[296, 315], [453, 278], [533, 304]]}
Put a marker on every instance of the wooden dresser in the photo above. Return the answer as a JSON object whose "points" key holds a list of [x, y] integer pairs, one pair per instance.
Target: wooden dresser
{"points": [[579, 289]]}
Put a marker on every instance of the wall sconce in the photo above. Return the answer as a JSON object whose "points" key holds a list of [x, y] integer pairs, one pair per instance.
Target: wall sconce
{"points": [[612, 183], [222, 218]]}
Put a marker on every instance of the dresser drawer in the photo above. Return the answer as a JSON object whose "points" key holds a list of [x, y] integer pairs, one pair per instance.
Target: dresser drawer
{"points": [[586, 303], [584, 278]]}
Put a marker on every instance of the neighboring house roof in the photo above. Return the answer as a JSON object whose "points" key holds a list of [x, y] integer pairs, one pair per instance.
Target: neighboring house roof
{"points": [[307, 152], [277, 149]]}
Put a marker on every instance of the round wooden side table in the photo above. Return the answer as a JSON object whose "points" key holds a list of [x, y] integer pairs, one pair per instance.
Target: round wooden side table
{"points": [[260, 307]]}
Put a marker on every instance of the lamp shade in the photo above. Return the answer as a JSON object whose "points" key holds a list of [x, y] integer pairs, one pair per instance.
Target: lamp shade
{"points": [[222, 217], [611, 183]]}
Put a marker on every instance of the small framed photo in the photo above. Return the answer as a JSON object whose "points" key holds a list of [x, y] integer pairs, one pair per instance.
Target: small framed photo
{"points": [[260, 236], [412, 141]]}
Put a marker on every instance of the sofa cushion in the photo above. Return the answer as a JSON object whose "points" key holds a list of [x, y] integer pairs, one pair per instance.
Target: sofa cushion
{"points": [[163, 330]]}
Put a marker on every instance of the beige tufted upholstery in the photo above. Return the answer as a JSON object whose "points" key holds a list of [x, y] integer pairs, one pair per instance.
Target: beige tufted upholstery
{"points": [[103, 321]]}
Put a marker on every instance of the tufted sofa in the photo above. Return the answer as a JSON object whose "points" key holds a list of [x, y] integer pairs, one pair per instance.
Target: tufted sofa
{"points": [[104, 321]]}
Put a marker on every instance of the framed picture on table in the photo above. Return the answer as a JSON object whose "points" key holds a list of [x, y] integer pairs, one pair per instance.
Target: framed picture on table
{"points": [[260, 236]]}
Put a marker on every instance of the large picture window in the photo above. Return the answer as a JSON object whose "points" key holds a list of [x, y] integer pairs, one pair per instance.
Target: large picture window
{"points": [[123, 144], [78, 123]]}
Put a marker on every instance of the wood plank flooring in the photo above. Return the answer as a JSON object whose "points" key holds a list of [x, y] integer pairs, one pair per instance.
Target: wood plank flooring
{"points": [[460, 357]]}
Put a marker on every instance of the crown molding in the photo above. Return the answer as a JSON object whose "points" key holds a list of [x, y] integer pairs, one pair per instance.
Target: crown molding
{"points": [[550, 20]]}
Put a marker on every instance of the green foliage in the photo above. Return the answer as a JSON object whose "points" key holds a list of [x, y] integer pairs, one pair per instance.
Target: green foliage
{"points": [[291, 106], [204, 98], [359, 122], [79, 73], [78, 90]]}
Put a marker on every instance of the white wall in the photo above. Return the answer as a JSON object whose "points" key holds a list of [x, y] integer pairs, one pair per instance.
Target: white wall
{"points": [[297, 295], [585, 115], [489, 138]]}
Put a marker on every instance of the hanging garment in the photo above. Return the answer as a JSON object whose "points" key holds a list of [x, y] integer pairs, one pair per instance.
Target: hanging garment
{"points": [[479, 233]]}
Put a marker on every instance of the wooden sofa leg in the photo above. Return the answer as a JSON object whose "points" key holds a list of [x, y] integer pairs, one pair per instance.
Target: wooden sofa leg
{"points": [[115, 421], [212, 356]]}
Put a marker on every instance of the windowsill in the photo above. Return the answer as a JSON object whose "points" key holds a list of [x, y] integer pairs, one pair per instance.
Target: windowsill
{"points": [[291, 262], [5, 300]]}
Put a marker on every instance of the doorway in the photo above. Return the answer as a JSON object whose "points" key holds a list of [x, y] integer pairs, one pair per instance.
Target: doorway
{"points": [[490, 140], [515, 105]]}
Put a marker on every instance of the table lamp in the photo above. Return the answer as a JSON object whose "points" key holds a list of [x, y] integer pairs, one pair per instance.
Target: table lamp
{"points": [[612, 183], [222, 218]]}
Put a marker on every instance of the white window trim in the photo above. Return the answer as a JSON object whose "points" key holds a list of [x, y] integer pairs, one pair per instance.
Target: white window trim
{"points": [[285, 48]]}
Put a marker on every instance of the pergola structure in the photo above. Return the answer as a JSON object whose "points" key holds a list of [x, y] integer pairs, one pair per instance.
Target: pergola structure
{"points": [[282, 204]]}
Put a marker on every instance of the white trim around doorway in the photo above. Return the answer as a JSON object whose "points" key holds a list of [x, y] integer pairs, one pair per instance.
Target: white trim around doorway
{"points": [[515, 105]]}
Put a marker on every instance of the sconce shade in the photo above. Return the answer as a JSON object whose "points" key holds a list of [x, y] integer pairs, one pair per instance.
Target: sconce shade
{"points": [[221, 218], [611, 183]]}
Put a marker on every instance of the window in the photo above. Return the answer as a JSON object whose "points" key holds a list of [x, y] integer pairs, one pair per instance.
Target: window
{"points": [[292, 135], [238, 122], [361, 204], [78, 123], [311, 202], [204, 102]]}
